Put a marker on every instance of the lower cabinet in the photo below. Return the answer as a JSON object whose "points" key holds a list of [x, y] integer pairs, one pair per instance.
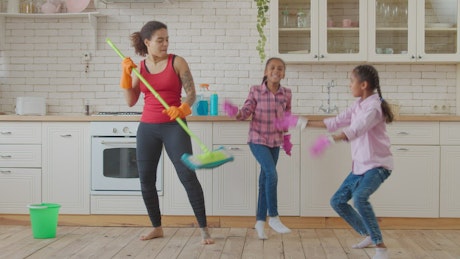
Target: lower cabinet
{"points": [[321, 176], [412, 190], [66, 166], [234, 184], [450, 164], [19, 187]]}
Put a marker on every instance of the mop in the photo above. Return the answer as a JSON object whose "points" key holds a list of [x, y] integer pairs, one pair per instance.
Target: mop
{"points": [[209, 159]]}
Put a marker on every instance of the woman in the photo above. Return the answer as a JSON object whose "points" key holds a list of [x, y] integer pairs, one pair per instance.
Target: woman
{"points": [[167, 74]]}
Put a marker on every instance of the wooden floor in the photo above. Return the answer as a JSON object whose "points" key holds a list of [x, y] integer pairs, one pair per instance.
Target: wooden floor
{"points": [[122, 242]]}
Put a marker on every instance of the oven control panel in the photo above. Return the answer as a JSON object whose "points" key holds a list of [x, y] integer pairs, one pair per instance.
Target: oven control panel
{"points": [[111, 129]]}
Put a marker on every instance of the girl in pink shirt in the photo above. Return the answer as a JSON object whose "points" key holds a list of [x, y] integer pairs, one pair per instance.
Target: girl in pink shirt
{"points": [[363, 125]]}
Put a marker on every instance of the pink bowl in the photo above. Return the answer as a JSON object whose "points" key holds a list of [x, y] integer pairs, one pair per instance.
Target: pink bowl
{"points": [[76, 6]]}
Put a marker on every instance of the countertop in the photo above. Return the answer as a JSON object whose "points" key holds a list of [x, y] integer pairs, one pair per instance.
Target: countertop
{"points": [[82, 118]]}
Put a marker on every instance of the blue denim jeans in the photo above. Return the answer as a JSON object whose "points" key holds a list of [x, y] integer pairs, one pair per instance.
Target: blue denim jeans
{"points": [[267, 157], [360, 188]]}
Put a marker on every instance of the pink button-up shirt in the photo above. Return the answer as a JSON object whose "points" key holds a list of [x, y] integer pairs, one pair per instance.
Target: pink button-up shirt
{"points": [[265, 107], [364, 125]]}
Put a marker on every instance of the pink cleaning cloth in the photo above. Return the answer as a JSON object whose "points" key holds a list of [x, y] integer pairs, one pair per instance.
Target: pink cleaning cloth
{"points": [[320, 145], [287, 145], [286, 122], [229, 108]]}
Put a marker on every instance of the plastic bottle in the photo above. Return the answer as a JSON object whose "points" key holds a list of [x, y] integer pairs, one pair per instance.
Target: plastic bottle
{"points": [[200, 107], [214, 99]]}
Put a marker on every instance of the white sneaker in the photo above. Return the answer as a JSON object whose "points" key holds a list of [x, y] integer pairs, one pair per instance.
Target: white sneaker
{"points": [[276, 224]]}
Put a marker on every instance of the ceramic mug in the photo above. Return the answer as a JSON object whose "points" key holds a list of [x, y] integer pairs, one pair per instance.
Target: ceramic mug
{"points": [[389, 51], [346, 22]]}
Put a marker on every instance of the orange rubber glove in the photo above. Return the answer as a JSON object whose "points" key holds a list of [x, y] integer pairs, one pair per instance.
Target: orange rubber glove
{"points": [[182, 111], [126, 80]]}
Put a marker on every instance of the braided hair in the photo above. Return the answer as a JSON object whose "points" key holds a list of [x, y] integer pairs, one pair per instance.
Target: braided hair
{"points": [[266, 65], [367, 73]]}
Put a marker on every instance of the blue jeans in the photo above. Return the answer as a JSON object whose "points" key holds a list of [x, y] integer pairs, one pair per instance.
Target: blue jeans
{"points": [[268, 180], [360, 188]]}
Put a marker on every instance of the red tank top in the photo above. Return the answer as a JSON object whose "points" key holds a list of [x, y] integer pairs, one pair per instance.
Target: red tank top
{"points": [[168, 86]]}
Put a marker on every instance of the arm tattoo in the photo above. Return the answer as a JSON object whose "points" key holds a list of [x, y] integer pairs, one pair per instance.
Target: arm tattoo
{"points": [[189, 87]]}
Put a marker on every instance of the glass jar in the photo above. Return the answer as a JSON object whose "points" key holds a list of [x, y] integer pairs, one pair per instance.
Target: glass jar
{"points": [[301, 19], [285, 18]]}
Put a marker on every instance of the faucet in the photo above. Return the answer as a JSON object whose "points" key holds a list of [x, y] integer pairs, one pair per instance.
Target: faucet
{"points": [[329, 109]]}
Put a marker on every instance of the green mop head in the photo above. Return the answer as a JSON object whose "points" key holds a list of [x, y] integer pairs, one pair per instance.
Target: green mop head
{"points": [[210, 159]]}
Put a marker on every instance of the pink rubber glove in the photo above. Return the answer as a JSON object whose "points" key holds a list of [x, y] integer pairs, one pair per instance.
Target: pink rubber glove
{"points": [[287, 145], [286, 122], [229, 108], [320, 145]]}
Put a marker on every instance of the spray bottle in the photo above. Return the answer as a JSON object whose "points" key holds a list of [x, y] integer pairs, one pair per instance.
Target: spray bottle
{"points": [[200, 107], [214, 100]]}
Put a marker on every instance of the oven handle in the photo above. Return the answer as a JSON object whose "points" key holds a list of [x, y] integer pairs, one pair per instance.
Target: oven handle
{"points": [[117, 142]]}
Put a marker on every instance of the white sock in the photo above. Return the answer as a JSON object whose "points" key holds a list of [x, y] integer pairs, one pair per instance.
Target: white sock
{"points": [[363, 244], [381, 253], [276, 224], [260, 225]]}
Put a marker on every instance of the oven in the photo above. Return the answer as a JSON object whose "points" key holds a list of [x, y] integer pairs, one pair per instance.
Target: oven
{"points": [[113, 159]]}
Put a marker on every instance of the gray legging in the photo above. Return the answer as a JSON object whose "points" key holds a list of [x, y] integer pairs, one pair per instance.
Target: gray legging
{"points": [[150, 140]]}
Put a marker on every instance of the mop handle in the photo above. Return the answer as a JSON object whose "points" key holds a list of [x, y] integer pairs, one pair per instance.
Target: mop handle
{"points": [[160, 99]]}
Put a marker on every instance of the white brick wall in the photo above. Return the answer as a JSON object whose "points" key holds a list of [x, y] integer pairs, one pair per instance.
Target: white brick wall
{"points": [[42, 57]]}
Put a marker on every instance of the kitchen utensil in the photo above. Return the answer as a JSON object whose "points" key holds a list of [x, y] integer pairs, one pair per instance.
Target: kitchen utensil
{"points": [[209, 159]]}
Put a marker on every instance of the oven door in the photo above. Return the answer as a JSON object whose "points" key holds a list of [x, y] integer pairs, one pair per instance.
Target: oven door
{"points": [[114, 166]]}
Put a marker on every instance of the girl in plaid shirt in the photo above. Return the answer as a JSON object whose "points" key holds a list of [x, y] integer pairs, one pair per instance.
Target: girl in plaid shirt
{"points": [[266, 103]]}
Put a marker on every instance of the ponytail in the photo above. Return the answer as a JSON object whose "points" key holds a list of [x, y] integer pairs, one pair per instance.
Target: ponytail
{"points": [[369, 73]]}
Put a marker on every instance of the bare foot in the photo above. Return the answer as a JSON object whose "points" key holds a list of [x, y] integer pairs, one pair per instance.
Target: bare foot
{"points": [[205, 237], [155, 233]]}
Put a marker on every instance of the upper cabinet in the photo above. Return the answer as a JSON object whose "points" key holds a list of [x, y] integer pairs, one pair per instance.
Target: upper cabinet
{"points": [[361, 30], [414, 30], [318, 30]]}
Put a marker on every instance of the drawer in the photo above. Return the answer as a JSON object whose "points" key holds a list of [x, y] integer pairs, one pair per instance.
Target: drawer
{"points": [[225, 133], [20, 156], [449, 133], [414, 133], [20, 133], [19, 187]]}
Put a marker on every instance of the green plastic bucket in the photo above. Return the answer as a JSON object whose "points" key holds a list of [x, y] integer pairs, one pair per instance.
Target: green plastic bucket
{"points": [[44, 219]]}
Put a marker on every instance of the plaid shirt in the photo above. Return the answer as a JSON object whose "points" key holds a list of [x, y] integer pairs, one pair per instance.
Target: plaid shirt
{"points": [[265, 107]]}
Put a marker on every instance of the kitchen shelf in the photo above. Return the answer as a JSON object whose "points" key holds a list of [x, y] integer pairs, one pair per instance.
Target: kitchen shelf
{"points": [[92, 20]]}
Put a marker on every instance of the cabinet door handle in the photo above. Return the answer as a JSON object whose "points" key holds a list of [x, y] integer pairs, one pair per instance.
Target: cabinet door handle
{"points": [[322, 56], [402, 149], [412, 57], [234, 148], [419, 57], [5, 156], [6, 132], [66, 135], [403, 133], [315, 56], [5, 172]]}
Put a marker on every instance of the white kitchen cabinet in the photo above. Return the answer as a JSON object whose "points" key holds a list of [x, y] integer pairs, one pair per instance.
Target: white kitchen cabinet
{"points": [[20, 166], [414, 31], [321, 176], [175, 200], [66, 166], [234, 183], [450, 164], [325, 36], [19, 187], [412, 190]]}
